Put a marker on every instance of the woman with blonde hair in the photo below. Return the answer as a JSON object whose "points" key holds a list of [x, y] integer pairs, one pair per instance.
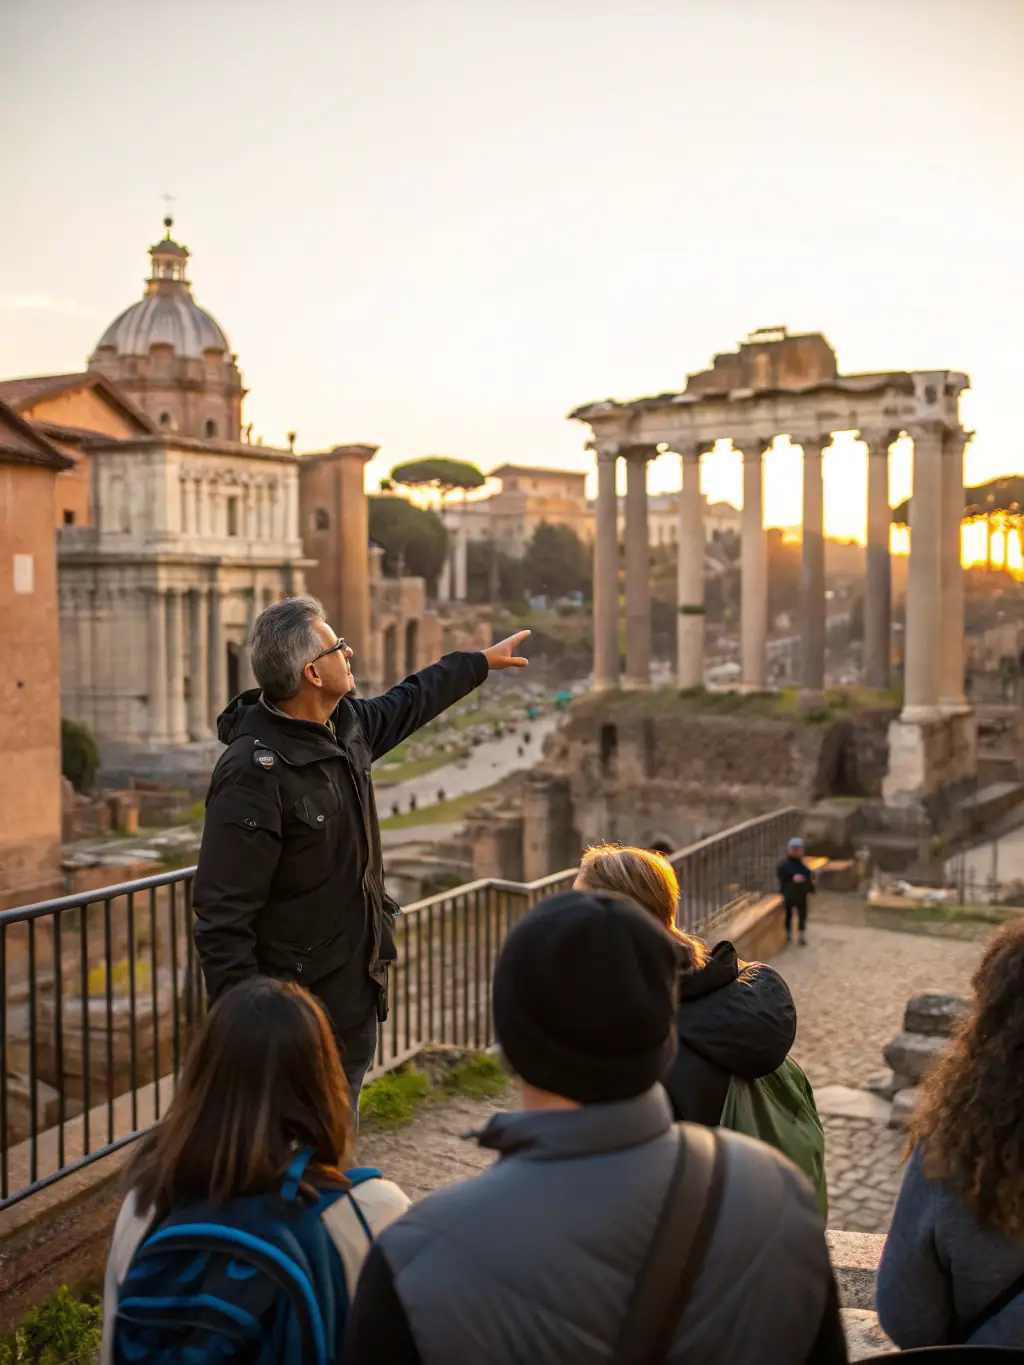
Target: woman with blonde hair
{"points": [[734, 1019], [953, 1268]]}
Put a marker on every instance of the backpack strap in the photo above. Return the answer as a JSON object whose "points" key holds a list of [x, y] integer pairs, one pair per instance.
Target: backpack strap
{"points": [[358, 1176], [296, 1170], [962, 1335], [676, 1252]]}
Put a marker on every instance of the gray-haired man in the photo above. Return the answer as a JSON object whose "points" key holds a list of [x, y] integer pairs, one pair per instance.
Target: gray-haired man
{"points": [[290, 879]]}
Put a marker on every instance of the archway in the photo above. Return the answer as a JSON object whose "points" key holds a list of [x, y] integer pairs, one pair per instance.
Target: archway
{"points": [[660, 843], [412, 642], [390, 655]]}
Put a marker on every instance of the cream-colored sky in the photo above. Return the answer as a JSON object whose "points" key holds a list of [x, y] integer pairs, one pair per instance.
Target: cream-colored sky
{"points": [[438, 225]]}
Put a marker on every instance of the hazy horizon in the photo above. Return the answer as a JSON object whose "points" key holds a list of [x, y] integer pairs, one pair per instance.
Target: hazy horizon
{"points": [[437, 226]]}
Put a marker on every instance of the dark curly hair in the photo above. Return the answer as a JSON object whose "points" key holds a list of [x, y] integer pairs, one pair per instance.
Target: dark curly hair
{"points": [[970, 1121]]}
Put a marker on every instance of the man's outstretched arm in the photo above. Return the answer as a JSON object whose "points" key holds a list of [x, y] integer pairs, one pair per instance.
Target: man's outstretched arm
{"points": [[400, 712]]}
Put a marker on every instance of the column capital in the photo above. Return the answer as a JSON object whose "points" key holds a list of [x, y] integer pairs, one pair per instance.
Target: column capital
{"points": [[638, 453], [693, 450], [879, 439], [755, 448], [812, 445], [927, 431], [957, 438], [607, 452]]}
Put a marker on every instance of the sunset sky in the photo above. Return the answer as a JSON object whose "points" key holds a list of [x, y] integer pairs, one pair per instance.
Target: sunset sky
{"points": [[439, 225]]}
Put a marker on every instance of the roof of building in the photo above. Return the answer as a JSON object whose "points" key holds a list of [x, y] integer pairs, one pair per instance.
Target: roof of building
{"points": [[26, 392], [20, 444]]}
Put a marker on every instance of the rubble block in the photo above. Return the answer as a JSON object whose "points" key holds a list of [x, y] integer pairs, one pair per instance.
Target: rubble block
{"points": [[914, 1054], [19, 1107], [903, 1107], [934, 1015], [886, 1084]]}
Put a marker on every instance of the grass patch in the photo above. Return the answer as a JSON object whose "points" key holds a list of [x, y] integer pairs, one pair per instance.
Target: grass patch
{"points": [[62, 1329], [417, 767], [481, 1078], [393, 1100], [444, 813]]}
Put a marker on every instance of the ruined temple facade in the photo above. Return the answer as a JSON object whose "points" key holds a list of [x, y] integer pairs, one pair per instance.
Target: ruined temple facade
{"points": [[776, 384]]}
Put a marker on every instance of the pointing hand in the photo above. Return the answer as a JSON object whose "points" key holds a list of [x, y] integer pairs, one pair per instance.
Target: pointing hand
{"points": [[503, 654]]}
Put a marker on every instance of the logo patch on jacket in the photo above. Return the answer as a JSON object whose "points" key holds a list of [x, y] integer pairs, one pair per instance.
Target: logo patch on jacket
{"points": [[264, 758]]}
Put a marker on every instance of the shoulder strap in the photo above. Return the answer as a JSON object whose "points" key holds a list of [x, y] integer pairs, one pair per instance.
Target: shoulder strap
{"points": [[961, 1335], [295, 1172], [676, 1253]]}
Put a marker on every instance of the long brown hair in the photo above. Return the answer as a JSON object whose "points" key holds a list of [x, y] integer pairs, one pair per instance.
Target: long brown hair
{"points": [[261, 1079], [970, 1120], [644, 877]]}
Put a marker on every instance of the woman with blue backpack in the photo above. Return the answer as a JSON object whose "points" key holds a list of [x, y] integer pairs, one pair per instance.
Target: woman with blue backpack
{"points": [[242, 1232]]}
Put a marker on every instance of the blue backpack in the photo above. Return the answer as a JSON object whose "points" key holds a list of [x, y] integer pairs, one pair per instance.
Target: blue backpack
{"points": [[252, 1282]]}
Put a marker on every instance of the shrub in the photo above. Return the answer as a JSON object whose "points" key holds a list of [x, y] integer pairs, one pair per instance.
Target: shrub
{"points": [[58, 1332], [79, 755], [120, 978]]}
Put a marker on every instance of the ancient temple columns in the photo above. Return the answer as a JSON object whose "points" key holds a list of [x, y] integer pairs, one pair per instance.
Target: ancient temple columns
{"points": [[606, 574], [177, 724], [878, 585], [812, 583], [690, 572], [158, 669], [753, 568], [198, 701], [247, 678], [638, 579], [951, 677], [218, 697], [924, 581]]}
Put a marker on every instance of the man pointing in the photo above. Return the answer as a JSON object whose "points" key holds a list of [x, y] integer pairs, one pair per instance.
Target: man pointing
{"points": [[290, 879]]}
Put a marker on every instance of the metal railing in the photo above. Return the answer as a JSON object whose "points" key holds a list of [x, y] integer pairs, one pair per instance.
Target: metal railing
{"points": [[101, 992]]}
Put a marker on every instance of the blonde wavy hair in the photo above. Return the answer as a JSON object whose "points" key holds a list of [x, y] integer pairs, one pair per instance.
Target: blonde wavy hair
{"points": [[647, 879]]}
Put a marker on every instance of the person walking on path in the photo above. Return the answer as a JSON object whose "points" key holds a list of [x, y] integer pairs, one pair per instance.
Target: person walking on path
{"points": [[953, 1267], [734, 1018], [261, 1091], [290, 879], [601, 1220], [796, 882]]}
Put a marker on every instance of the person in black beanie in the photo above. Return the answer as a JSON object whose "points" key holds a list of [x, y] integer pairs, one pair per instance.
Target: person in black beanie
{"points": [[535, 1259]]}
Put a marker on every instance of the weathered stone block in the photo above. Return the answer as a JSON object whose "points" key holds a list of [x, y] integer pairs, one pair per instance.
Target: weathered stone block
{"points": [[885, 1084], [934, 1015], [903, 1107], [914, 1054]]}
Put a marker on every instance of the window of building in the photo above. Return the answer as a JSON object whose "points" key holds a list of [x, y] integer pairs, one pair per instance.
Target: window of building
{"points": [[69, 517], [211, 429], [232, 516], [165, 419], [321, 519]]}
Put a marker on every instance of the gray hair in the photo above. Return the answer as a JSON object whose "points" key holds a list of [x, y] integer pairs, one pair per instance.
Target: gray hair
{"points": [[283, 642]]}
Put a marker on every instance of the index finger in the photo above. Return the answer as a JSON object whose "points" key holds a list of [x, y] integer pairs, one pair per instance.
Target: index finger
{"points": [[518, 638]]}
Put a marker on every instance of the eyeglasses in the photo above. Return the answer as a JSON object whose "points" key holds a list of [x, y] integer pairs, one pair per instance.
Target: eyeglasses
{"points": [[339, 644]]}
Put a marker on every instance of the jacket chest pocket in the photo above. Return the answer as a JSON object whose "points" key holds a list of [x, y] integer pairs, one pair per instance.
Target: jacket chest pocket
{"points": [[311, 837]]}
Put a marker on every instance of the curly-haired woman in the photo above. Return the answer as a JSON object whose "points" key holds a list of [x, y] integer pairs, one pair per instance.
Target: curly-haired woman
{"points": [[953, 1268]]}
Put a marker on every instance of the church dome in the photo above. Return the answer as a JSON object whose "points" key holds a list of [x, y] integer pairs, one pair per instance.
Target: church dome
{"points": [[167, 315]]}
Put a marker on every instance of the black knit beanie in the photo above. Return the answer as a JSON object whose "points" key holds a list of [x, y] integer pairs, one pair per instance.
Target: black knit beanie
{"points": [[584, 998]]}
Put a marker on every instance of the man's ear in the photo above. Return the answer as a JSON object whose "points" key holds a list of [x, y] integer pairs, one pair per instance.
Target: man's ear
{"points": [[312, 675]]}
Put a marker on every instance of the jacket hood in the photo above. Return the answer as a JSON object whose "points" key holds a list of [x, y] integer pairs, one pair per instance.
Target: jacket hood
{"points": [[297, 741], [552, 1135], [741, 1017]]}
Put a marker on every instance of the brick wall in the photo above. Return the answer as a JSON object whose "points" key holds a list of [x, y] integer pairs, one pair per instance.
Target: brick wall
{"points": [[30, 779]]}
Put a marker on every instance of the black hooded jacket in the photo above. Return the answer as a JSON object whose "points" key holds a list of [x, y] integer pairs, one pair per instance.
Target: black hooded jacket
{"points": [[734, 1019], [290, 879]]}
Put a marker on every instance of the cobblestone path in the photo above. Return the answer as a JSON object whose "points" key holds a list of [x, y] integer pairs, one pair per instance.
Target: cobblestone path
{"points": [[851, 985]]}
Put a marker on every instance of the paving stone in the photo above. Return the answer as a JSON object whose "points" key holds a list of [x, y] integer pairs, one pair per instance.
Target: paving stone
{"points": [[903, 1106], [845, 1102]]}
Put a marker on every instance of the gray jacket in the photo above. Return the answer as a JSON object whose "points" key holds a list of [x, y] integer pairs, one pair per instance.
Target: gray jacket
{"points": [[941, 1268], [533, 1261]]}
